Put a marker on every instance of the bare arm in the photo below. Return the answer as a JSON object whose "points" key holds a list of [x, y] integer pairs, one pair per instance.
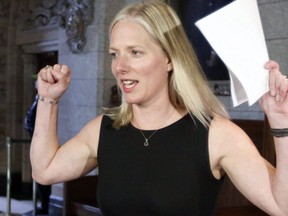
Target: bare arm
{"points": [[238, 157], [51, 162], [275, 106], [254, 177]]}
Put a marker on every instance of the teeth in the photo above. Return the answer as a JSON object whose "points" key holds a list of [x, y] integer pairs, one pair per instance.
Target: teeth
{"points": [[128, 82]]}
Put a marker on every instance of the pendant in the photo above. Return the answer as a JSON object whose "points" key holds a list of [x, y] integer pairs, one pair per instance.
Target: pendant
{"points": [[146, 143]]}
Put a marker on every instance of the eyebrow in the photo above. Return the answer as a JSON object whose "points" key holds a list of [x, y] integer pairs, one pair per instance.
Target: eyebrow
{"points": [[127, 48]]}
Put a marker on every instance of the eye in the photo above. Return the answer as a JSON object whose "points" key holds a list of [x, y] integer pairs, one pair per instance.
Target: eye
{"points": [[136, 53], [113, 55]]}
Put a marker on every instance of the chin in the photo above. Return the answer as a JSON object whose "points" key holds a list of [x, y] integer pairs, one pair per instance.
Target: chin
{"points": [[131, 101]]}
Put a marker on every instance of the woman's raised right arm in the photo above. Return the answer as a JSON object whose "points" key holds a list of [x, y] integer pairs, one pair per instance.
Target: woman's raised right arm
{"points": [[52, 162]]}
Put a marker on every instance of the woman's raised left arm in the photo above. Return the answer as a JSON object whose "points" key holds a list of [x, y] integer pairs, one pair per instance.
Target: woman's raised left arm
{"points": [[275, 106]]}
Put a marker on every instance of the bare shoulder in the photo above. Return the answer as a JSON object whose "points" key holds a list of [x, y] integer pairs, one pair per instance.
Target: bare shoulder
{"points": [[220, 126], [96, 122], [89, 135], [226, 134], [227, 140], [93, 126]]}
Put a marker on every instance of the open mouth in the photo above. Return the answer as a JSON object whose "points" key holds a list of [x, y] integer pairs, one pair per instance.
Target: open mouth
{"points": [[129, 83]]}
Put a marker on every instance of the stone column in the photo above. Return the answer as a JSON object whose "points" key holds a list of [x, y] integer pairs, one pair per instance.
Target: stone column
{"points": [[274, 15]]}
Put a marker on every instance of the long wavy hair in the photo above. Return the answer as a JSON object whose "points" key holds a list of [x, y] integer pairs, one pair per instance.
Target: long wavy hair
{"points": [[188, 86]]}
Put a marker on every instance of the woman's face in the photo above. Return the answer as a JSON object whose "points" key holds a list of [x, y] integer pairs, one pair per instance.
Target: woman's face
{"points": [[138, 63]]}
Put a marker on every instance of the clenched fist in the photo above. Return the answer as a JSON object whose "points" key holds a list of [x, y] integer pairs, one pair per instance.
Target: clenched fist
{"points": [[53, 81]]}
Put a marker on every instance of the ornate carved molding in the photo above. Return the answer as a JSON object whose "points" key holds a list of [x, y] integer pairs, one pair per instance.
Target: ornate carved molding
{"points": [[78, 16], [73, 15]]}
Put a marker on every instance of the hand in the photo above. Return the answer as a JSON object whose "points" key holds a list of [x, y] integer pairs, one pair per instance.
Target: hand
{"points": [[53, 81], [275, 102]]}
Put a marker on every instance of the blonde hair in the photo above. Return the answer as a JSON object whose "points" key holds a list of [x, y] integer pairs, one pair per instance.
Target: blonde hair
{"points": [[188, 87]]}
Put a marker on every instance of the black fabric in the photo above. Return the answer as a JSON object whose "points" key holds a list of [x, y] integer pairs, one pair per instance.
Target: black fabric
{"points": [[170, 177]]}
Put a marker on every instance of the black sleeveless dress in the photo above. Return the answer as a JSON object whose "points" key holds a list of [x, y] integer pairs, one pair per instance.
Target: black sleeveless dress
{"points": [[170, 177]]}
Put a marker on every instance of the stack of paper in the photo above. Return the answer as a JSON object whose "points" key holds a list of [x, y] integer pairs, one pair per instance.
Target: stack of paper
{"points": [[235, 33]]}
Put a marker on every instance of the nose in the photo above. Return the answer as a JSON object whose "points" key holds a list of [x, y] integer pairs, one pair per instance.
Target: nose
{"points": [[121, 64]]}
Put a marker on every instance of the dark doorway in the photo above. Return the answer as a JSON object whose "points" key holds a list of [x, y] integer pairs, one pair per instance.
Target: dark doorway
{"points": [[47, 58]]}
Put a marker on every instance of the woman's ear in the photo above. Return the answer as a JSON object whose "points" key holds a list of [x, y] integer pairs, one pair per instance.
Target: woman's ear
{"points": [[169, 66]]}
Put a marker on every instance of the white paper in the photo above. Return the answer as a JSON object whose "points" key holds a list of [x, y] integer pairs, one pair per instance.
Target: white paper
{"points": [[236, 35]]}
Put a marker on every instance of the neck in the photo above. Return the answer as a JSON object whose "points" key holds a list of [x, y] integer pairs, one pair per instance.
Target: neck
{"points": [[153, 119]]}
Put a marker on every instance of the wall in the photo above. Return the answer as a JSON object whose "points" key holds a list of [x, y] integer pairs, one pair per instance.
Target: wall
{"points": [[274, 15]]}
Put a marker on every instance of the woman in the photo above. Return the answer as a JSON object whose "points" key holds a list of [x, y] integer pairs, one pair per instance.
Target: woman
{"points": [[166, 148]]}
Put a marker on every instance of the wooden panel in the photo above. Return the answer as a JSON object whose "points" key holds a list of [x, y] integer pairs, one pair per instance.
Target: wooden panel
{"points": [[241, 211], [78, 209], [80, 196]]}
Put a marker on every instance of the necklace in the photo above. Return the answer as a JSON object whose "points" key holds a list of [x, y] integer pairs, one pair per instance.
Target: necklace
{"points": [[146, 142]]}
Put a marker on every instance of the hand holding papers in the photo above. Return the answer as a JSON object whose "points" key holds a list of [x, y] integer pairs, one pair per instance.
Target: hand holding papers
{"points": [[235, 33]]}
